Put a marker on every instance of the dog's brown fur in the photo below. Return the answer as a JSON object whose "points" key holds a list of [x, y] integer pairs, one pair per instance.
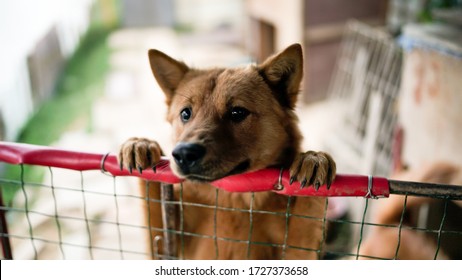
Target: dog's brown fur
{"points": [[244, 120]]}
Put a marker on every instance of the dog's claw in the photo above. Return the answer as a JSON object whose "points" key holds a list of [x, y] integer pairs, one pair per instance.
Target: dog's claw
{"points": [[317, 185], [154, 168], [303, 184], [130, 169], [292, 179], [140, 170], [121, 166]]}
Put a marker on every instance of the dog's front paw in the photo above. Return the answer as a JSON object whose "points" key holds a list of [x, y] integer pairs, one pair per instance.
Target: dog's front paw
{"points": [[313, 168], [139, 153]]}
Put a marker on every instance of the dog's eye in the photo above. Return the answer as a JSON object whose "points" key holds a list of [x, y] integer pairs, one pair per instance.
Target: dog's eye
{"points": [[238, 114], [185, 114]]}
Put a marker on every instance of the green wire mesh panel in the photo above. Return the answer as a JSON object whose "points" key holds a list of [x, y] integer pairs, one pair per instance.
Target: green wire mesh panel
{"points": [[90, 215]]}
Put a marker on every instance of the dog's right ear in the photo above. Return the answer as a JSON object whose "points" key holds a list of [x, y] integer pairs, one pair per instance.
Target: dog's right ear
{"points": [[284, 72], [167, 71]]}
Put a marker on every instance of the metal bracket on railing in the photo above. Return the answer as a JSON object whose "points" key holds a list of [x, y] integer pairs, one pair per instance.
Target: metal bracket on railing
{"points": [[369, 193]]}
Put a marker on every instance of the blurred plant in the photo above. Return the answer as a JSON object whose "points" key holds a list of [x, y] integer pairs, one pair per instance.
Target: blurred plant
{"points": [[81, 83], [426, 14]]}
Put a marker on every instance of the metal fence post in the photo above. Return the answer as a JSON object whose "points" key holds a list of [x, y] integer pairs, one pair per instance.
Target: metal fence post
{"points": [[6, 246], [169, 217]]}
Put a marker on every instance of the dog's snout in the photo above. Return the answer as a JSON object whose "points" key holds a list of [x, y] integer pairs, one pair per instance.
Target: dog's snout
{"points": [[186, 155]]}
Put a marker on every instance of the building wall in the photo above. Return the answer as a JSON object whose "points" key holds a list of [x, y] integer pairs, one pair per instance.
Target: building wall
{"points": [[23, 25]]}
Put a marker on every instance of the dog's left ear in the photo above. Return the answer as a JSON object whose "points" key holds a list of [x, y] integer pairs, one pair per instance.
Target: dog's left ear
{"points": [[167, 71], [283, 72]]}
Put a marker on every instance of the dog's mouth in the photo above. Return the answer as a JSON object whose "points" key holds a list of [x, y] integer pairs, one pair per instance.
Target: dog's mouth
{"points": [[203, 177], [240, 168]]}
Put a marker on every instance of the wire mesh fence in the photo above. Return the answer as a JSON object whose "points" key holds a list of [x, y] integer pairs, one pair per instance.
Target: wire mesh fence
{"points": [[367, 77], [71, 218], [87, 208]]}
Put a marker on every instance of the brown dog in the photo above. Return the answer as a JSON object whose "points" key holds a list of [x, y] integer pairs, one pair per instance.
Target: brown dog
{"points": [[229, 121]]}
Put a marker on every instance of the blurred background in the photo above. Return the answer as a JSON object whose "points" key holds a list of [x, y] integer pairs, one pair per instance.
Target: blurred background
{"points": [[381, 89], [62, 61]]}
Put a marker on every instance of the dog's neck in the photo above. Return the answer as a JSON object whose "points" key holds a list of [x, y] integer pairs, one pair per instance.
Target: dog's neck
{"points": [[293, 145], [286, 158]]}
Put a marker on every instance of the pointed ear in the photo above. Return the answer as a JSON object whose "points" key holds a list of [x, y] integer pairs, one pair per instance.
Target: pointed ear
{"points": [[283, 72], [167, 71]]}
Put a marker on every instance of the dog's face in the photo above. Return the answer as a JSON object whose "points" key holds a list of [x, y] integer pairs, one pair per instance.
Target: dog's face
{"points": [[228, 121]]}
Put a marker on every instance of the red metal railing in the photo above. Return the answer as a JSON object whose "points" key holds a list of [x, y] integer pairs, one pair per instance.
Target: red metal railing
{"points": [[263, 180]]}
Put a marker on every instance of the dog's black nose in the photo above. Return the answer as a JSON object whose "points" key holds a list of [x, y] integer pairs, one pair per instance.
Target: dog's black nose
{"points": [[186, 155]]}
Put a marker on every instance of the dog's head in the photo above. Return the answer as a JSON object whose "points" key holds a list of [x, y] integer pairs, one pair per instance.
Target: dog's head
{"points": [[228, 121]]}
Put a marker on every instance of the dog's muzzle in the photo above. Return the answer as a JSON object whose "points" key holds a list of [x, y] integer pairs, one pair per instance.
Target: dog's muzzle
{"points": [[188, 156]]}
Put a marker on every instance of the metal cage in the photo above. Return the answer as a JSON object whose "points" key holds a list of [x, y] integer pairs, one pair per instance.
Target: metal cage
{"points": [[83, 209]]}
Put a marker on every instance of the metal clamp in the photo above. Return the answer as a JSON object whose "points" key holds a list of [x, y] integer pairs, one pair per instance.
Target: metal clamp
{"points": [[103, 160], [369, 193], [156, 247], [279, 186]]}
